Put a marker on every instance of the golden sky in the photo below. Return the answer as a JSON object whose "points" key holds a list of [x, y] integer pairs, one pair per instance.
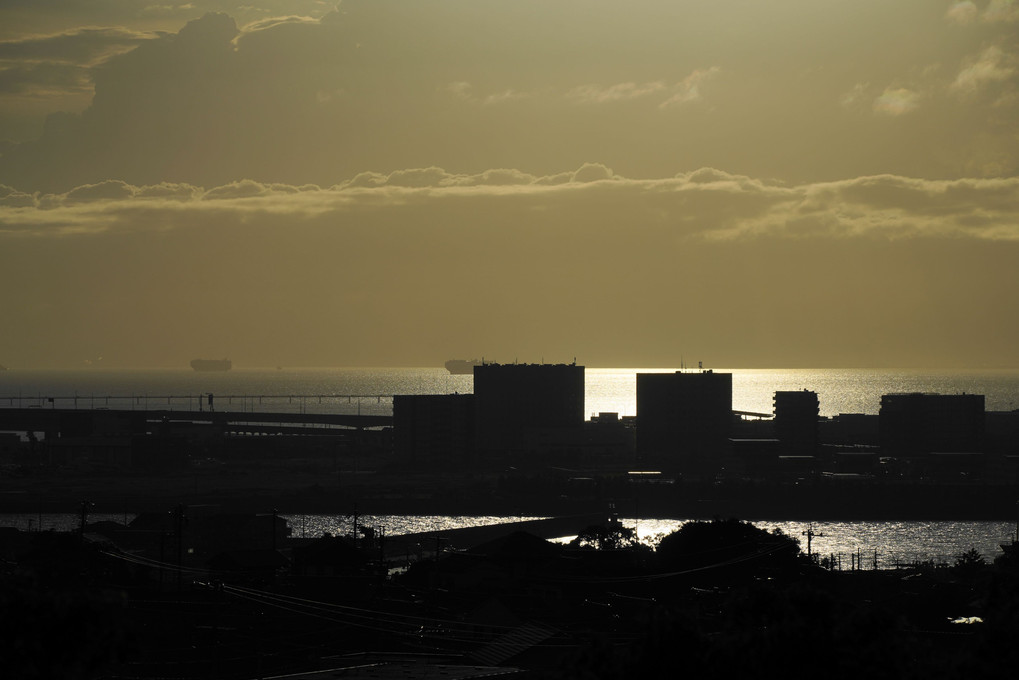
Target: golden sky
{"points": [[792, 183]]}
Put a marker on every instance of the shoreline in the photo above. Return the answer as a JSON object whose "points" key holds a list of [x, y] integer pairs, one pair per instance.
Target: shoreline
{"points": [[309, 492]]}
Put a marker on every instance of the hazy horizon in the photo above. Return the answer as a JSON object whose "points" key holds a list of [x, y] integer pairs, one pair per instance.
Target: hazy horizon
{"points": [[438, 366], [377, 183]]}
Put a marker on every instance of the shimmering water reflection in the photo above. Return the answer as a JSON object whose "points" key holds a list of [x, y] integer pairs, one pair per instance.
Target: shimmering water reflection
{"points": [[310, 526], [893, 542]]}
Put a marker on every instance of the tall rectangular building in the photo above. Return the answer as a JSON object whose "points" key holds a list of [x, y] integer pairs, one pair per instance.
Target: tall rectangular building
{"points": [[513, 402], [684, 420], [433, 429], [796, 415]]}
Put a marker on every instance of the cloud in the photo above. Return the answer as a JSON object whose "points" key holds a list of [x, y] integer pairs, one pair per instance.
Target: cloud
{"points": [[507, 95], [12, 198], [592, 172], [169, 190], [103, 191], [964, 12], [463, 91], [368, 179], [299, 96], [689, 90], [859, 94], [42, 80], [296, 275], [242, 189], [706, 204], [81, 46], [273, 22], [420, 177], [597, 94], [437, 177], [990, 66], [667, 95], [896, 101], [1001, 11], [711, 176], [498, 177], [57, 66]]}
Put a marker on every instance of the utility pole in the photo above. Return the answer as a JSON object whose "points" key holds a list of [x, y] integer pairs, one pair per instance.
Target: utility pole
{"points": [[809, 533]]}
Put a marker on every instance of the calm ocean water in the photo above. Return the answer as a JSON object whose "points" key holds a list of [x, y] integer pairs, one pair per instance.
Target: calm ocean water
{"points": [[370, 390]]}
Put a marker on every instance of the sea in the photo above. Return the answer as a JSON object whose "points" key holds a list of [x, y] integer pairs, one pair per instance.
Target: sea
{"points": [[371, 390]]}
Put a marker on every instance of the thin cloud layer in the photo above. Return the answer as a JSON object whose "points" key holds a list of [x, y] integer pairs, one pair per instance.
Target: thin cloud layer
{"points": [[993, 65], [704, 204]]}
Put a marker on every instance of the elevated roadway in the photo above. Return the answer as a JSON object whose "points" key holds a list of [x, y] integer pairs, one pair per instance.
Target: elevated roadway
{"points": [[78, 422]]}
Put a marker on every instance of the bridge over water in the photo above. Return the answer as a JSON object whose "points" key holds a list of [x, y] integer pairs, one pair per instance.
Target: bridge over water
{"points": [[84, 421]]}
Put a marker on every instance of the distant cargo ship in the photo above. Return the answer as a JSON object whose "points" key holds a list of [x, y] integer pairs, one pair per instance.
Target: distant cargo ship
{"points": [[211, 364], [462, 366]]}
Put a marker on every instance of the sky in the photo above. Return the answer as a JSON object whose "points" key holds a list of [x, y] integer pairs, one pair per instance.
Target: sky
{"points": [[791, 183]]}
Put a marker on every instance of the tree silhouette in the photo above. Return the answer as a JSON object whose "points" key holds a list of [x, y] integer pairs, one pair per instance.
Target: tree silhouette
{"points": [[602, 537], [729, 545]]}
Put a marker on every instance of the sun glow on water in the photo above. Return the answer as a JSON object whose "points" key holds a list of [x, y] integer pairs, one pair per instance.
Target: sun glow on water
{"points": [[370, 390]]}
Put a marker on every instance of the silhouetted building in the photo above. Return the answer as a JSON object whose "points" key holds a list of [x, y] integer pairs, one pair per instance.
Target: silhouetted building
{"points": [[518, 406], [918, 424], [1003, 431], [755, 455], [850, 429], [433, 428], [684, 420], [796, 421]]}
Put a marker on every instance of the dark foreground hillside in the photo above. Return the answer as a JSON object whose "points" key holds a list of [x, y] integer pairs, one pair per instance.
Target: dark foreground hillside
{"points": [[717, 599]]}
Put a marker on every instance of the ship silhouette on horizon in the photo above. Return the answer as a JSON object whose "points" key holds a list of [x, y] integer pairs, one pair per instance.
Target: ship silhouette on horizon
{"points": [[463, 366]]}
